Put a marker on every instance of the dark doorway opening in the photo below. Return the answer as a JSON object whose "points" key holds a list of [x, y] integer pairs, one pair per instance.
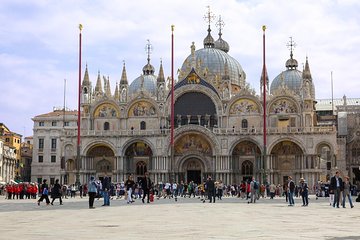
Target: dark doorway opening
{"points": [[356, 171], [194, 175]]}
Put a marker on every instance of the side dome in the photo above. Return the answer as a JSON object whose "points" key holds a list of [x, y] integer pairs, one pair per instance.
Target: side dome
{"points": [[211, 63], [145, 83], [291, 78]]}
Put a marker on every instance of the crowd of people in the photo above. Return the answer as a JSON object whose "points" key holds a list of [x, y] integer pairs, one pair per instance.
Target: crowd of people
{"points": [[251, 190]]}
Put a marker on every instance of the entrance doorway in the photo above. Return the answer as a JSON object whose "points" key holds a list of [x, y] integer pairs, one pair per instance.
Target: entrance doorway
{"points": [[194, 175]]}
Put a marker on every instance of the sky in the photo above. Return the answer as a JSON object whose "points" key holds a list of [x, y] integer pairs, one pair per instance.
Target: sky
{"points": [[39, 44]]}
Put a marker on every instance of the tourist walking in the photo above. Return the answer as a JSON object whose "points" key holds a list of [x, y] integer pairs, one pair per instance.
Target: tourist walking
{"points": [[106, 190], [346, 192], [304, 189], [254, 186], [146, 186], [56, 192], [291, 191], [336, 184], [44, 193], [210, 188], [129, 185], [92, 190]]}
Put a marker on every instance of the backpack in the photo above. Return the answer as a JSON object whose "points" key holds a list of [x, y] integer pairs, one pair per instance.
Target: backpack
{"points": [[256, 185]]}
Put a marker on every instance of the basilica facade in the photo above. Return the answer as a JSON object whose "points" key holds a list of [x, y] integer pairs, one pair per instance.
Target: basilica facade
{"points": [[218, 125]]}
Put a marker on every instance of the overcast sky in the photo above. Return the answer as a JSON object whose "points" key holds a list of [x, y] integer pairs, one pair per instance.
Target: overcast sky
{"points": [[39, 44]]}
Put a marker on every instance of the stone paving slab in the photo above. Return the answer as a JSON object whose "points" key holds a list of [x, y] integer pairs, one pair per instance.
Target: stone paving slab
{"points": [[231, 218]]}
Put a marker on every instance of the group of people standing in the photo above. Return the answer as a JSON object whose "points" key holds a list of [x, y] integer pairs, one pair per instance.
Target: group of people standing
{"points": [[340, 189]]}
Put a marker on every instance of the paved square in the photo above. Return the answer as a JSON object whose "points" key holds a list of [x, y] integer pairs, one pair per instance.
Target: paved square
{"points": [[231, 218]]}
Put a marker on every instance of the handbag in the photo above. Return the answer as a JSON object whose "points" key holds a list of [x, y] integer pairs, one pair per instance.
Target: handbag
{"points": [[45, 191]]}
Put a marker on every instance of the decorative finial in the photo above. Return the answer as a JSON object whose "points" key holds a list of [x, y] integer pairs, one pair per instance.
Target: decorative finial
{"points": [[124, 63], [220, 24], [172, 27], [148, 49], [209, 16], [80, 27], [291, 45], [263, 28]]}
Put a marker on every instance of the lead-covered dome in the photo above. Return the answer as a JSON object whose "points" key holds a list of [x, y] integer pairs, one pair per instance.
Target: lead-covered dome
{"points": [[290, 78], [145, 83], [209, 62]]}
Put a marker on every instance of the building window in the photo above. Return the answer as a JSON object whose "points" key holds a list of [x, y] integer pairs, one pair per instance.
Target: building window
{"points": [[247, 168], [41, 158], [106, 126], [41, 124], [53, 144], [39, 180], [66, 124], [7, 140], [53, 123], [143, 125], [141, 168], [53, 158], [52, 181], [41, 143], [244, 123]]}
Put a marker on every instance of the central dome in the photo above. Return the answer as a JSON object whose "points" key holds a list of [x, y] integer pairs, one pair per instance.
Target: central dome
{"points": [[210, 63]]}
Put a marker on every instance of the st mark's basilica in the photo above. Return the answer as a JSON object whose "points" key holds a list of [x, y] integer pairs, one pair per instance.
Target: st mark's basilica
{"points": [[218, 124]]}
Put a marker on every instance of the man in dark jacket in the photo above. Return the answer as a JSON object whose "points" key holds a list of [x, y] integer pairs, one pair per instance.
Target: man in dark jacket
{"points": [[210, 187], [106, 190], [336, 186], [146, 186], [56, 192]]}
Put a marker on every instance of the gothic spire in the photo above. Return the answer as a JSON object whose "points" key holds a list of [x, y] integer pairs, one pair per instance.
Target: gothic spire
{"points": [[123, 79], [161, 77], [98, 87]]}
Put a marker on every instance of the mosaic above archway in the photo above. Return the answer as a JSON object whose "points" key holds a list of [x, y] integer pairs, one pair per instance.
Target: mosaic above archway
{"points": [[192, 142], [244, 106], [106, 110], [138, 149], [286, 148], [246, 148], [283, 106], [142, 109]]}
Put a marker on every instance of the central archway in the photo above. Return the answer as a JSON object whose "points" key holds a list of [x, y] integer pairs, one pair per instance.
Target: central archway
{"points": [[103, 159], [138, 159], [193, 169]]}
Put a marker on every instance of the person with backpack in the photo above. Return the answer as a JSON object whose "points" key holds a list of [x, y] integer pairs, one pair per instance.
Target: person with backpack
{"points": [[291, 191], [44, 193], [254, 187]]}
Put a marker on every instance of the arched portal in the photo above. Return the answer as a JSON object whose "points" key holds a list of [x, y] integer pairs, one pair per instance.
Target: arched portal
{"points": [[288, 159], [193, 170], [137, 159], [103, 159], [246, 160]]}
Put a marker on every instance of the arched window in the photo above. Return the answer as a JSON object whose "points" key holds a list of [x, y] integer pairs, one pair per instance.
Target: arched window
{"points": [[106, 126], [244, 123], [247, 168], [142, 125], [141, 168]]}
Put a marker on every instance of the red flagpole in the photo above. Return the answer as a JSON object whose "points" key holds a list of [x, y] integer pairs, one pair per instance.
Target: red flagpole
{"points": [[78, 120], [79, 85], [172, 99], [264, 97], [172, 85]]}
